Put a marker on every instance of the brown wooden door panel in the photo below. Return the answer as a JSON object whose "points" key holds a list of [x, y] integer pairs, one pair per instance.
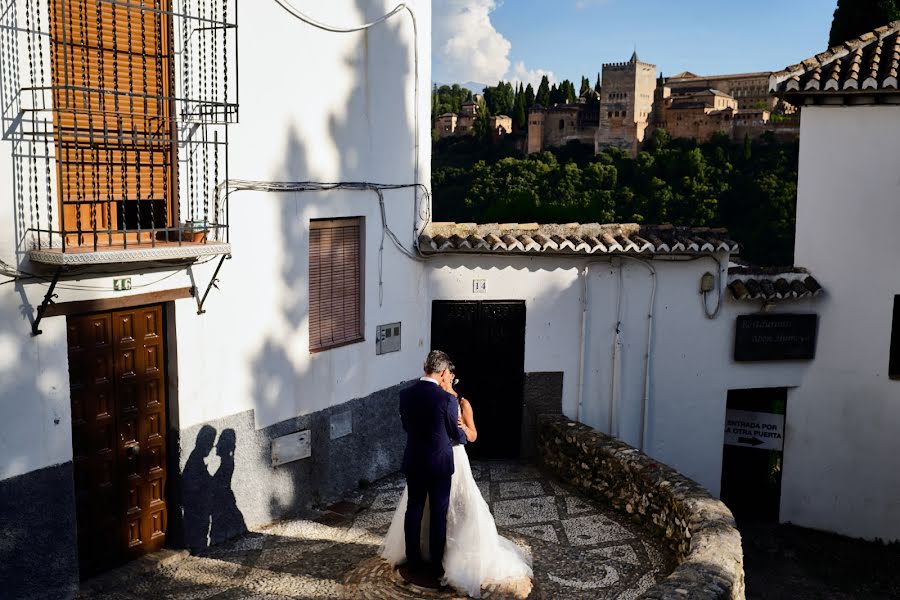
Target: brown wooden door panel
{"points": [[117, 382]]}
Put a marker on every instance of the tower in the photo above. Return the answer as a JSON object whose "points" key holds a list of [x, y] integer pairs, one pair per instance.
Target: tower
{"points": [[626, 104]]}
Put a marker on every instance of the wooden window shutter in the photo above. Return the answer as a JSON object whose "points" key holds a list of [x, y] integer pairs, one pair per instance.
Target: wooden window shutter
{"points": [[335, 282], [112, 72]]}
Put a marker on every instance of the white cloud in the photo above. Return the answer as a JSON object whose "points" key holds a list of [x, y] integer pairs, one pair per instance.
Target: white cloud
{"points": [[467, 47]]}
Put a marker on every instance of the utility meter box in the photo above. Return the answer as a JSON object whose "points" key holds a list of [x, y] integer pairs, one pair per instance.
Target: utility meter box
{"points": [[387, 338]]}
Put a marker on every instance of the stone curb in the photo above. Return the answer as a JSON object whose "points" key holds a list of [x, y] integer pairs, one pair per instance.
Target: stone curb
{"points": [[699, 529]]}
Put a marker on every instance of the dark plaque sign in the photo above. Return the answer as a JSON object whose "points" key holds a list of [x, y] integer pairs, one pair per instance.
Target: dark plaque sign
{"points": [[775, 337]]}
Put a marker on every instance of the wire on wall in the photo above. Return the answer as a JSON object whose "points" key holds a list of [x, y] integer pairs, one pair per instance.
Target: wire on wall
{"points": [[422, 213], [234, 185]]}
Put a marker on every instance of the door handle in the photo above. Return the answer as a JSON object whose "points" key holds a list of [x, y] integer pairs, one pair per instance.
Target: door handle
{"points": [[133, 450]]}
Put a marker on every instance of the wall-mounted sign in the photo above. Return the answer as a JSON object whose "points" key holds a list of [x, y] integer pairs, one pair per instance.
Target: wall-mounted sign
{"points": [[775, 337], [291, 447], [479, 286], [751, 429], [121, 285]]}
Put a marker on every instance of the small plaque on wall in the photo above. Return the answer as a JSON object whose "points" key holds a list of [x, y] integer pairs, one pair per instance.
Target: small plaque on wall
{"points": [[289, 448], [775, 337]]}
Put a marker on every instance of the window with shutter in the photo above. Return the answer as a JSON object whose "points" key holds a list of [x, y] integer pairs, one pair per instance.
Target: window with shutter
{"points": [[111, 65], [335, 282]]}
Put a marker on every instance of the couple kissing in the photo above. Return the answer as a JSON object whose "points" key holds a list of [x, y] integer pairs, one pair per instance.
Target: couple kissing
{"points": [[442, 532]]}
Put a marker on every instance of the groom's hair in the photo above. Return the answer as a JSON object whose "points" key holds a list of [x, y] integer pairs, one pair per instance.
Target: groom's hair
{"points": [[437, 361]]}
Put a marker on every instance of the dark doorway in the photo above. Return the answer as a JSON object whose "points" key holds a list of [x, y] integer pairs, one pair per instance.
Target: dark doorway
{"points": [[117, 380], [752, 456], [486, 341]]}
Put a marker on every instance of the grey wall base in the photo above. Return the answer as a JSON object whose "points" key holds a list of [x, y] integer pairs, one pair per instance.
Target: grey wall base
{"points": [[264, 494], [542, 395], [38, 544]]}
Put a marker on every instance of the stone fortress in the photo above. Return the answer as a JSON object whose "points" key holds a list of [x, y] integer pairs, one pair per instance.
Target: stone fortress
{"points": [[634, 100]]}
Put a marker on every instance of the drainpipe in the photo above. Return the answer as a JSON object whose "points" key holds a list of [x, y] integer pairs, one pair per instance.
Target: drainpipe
{"points": [[645, 404], [614, 390], [585, 303], [582, 341]]}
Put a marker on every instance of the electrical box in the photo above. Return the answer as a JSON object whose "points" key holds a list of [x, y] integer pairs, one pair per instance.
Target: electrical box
{"points": [[387, 338], [291, 447]]}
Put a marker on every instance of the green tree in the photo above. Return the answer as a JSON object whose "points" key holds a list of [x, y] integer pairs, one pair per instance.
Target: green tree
{"points": [[543, 92], [520, 115], [482, 124], [853, 18], [597, 86], [529, 96], [585, 86]]}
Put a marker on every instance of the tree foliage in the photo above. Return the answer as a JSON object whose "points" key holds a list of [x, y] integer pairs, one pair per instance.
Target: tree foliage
{"points": [[448, 98], [852, 18], [749, 187]]}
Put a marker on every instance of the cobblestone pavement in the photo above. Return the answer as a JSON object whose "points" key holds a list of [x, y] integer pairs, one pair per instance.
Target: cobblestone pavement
{"points": [[581, 549]]}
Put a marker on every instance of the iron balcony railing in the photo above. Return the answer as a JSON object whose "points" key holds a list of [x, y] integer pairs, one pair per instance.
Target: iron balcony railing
{"points": [[117, 113]]}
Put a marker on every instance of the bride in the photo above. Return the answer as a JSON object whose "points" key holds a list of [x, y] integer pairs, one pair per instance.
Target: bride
{"points": [[475, 554]]}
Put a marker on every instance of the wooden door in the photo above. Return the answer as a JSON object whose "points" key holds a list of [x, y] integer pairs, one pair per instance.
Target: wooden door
{"points": [[486, 342], [117, 381]]}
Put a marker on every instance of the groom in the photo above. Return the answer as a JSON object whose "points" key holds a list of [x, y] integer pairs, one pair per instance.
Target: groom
{"points": [[430, 418]]}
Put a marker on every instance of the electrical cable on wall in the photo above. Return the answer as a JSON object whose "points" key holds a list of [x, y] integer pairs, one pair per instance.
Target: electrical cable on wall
{"points": [[417, 206], [234, 185]]}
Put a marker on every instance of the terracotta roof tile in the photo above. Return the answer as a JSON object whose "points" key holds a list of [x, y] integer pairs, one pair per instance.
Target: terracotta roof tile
{"points": [[867, 64], [573, 239], [772, 284]]}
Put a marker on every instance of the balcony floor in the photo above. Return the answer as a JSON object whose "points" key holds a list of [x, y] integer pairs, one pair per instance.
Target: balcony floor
{"points": [[135, 252]]}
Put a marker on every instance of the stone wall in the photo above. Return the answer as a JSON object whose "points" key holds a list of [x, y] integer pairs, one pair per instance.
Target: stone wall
{"points": [[38, 547], [256, 493], [699, 529]]}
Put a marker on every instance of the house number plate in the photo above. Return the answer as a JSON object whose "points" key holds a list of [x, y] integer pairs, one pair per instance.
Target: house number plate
{"points": [[121, 285]]}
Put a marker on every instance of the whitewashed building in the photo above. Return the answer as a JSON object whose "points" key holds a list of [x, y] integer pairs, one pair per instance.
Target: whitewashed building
{"points": [[142, 406], [841, 458], [126, 418]]}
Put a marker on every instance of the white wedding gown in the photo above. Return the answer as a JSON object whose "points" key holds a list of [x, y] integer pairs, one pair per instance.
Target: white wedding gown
{"points": [[475, 554]]}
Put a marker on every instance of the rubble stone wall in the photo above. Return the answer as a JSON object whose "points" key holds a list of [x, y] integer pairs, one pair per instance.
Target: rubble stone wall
{"points": [[699, 529]]}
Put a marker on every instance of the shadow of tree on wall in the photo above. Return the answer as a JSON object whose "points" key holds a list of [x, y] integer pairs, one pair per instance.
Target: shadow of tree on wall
{"points": [[285, 380]]}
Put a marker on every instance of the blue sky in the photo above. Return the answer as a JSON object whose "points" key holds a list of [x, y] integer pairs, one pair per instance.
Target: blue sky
{"points": [[483, 40]]}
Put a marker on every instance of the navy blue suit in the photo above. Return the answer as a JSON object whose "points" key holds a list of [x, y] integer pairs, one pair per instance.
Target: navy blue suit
{"points": [[429, 416]]}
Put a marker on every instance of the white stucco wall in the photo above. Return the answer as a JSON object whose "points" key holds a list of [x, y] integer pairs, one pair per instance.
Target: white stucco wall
{"points": [[691, 356], [314, 106], [842, 473]]}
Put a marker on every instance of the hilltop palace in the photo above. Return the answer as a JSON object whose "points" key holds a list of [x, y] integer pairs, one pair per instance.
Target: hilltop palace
{"points": [[634, 100]]}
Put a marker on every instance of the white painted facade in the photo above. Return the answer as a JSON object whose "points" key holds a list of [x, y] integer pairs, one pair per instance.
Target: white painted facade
{"points": [[691, 368], [840, 470], [318, 106], [314, 106]]}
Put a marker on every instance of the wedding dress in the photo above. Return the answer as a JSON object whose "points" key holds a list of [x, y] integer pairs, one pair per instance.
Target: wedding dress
{"points": [[475, 554]]}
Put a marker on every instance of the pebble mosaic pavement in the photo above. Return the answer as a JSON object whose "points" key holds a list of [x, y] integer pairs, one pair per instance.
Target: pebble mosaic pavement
{"points": [[581, 550]]}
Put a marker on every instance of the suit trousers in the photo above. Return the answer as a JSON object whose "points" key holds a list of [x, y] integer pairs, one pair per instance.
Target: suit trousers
{"points": [[437, 490]]}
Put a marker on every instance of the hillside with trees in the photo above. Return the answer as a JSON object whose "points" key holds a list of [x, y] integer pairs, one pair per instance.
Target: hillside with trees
{"points": [[750, 188]]}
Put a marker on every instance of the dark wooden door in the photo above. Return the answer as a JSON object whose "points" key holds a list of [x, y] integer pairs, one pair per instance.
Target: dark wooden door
{"points": [[486, 341], [117, 382], [751, 477]]}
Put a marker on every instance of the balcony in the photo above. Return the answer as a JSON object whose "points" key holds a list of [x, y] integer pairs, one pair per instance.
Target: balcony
{"points": [[117, 113]]}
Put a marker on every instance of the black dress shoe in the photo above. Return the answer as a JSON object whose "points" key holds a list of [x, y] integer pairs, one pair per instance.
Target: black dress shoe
{"points": [[421, 577]]}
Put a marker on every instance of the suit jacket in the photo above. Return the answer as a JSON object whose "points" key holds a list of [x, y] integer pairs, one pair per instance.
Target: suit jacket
{"points": [[429, 416]]}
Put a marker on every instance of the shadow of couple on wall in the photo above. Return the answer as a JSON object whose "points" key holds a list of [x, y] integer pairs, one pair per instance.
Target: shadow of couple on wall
{"points": [[210, 510]]}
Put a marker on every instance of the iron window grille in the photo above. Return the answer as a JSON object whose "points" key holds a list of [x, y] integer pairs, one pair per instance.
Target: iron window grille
{"points": [[117, 112]]}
